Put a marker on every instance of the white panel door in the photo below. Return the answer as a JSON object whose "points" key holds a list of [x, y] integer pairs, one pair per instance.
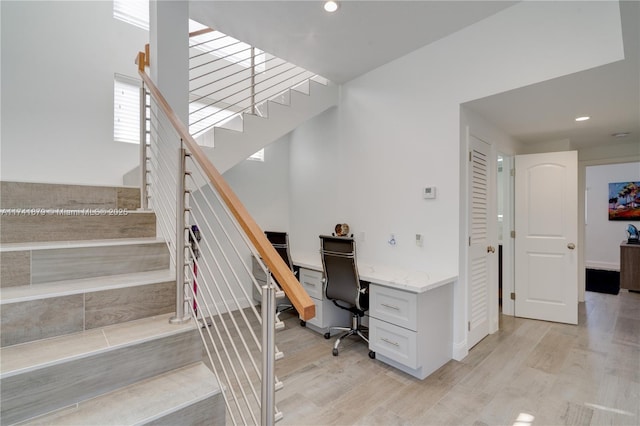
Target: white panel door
{"points": [[546, 223], [481, 252]]}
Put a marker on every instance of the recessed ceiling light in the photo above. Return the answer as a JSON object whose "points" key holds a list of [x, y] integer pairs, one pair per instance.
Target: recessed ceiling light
{"points": [[620, 134], [584, 118], [330, 6]]}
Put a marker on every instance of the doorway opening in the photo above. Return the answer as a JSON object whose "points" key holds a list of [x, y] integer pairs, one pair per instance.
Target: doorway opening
{"points": [[504, 228]]}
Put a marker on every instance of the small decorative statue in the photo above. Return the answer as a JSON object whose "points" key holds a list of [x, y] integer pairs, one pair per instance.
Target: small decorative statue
{"points": [[342, 230]]}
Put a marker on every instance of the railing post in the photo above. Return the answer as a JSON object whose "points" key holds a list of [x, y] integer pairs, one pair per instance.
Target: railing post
{"points": [[253, 80], [182, 314], [267, 406], [144, 200]]}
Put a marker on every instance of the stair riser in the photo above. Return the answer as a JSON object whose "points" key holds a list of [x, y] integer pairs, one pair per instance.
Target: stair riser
{"points": [[22, 228], [52, 196], [55, 316], [210, 411], [15, 268], [50, 265], [46, 389]]}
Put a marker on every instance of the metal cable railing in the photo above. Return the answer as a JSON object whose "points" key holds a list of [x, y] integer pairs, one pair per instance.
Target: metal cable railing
{"points": [[213, 243], [229, 78], [217, 276]]}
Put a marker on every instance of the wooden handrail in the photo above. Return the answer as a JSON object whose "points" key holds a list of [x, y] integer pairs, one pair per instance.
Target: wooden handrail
{"points": [[291, 286], [200, 32]]}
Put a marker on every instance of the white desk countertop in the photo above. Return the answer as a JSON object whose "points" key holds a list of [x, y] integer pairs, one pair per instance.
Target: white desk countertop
{"points": [[399, 278]]}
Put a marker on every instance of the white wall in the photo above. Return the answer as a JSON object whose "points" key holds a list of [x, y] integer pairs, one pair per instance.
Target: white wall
{"points": [[58, 64], [263, 187], [397, 129], [603, 236]]}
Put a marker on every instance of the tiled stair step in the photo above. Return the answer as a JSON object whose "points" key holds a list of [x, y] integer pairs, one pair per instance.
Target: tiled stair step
{"points": [[21, 195], [36, 263], [47, 310], [52, 225], [189, 395], [47, 375]]}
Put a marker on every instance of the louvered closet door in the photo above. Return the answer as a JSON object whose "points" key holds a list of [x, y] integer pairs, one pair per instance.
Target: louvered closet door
{"points": [[479, 272]]}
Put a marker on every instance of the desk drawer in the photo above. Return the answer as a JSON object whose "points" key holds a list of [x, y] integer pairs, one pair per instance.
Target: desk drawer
{"points": [[312, 282], [396, 343], [318, 320], [393, 306]]}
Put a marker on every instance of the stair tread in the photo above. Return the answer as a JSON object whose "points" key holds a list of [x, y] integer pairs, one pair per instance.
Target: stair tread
{"points": [[41, 353], [140, 402], [46, 245], [68, 287]]}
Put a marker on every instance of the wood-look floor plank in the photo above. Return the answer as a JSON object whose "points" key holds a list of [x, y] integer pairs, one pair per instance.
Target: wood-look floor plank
{"points": [[533, 372]]}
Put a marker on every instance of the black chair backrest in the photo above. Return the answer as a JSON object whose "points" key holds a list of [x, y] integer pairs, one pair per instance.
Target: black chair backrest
{"points": [[340, 269], [280, 241]]}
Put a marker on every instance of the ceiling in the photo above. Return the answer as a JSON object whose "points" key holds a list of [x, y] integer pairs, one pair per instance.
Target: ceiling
{"points": [[363, 35]]}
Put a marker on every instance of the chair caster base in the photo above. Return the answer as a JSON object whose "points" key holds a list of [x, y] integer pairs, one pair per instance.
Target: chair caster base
{"points": [[327, 336], [335, 352], [372, 355], [303, 323]]}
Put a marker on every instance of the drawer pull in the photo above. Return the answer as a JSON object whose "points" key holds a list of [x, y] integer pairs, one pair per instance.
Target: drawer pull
{"points": [[390, 342], [390, 306]]}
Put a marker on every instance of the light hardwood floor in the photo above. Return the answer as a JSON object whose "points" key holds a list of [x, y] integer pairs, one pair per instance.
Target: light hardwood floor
{"points": [[528, 373]]}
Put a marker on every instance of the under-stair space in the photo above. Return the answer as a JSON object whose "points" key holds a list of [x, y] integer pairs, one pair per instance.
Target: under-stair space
{"points": [[86, 295]]}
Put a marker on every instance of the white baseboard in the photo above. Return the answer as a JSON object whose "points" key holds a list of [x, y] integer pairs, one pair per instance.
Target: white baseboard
{"points": [[460, 350], [607, 266]]}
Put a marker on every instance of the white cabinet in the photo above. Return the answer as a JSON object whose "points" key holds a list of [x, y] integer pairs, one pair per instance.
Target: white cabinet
{"points": [[411, 331], [327, 314]]}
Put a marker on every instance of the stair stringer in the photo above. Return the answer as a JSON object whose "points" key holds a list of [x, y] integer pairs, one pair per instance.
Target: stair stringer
{"points": [[232, 147]]}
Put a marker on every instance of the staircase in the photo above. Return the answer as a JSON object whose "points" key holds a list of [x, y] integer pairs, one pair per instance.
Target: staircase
{"points": [[86, 297], [278, 116]]}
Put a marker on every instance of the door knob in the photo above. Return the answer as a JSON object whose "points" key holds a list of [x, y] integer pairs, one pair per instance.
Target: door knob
{"points": [[491, 249], [571, 246]]}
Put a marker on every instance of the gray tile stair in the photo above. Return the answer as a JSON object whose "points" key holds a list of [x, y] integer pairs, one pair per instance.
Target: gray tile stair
{"points": [[36, 263], [17, 226], [85, 301], [22, 195], [47, 310], [48, 375], [186, 396]]}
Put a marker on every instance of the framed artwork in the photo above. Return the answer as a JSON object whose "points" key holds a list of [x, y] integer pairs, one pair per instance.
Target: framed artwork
{"points": [[624, 201]]}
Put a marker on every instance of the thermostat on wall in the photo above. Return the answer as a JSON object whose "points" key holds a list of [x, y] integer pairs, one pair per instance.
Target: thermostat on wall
{"points": [[429, 192]]}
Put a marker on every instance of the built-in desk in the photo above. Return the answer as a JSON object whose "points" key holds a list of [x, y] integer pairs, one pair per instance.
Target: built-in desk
{"points": [[410, 314]]}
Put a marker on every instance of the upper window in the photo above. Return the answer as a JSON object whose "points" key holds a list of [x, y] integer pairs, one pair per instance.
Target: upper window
{"points": [[258, 156], [135, 12], [223, 46]]}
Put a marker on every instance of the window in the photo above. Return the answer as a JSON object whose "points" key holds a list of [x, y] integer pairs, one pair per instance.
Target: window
{"points": [[126, 109], [224, 46], [134, 12], [258, 156], [126, 115]]}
